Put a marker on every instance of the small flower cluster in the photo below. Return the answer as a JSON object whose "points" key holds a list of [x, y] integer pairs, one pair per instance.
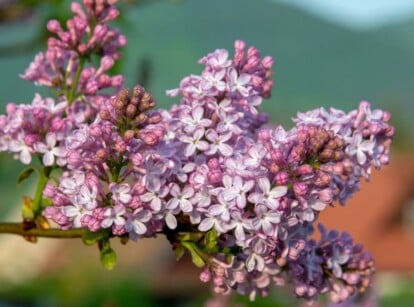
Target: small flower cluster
{"points": [[87, 37], [40, 128], [242, 198], [37, 128]]}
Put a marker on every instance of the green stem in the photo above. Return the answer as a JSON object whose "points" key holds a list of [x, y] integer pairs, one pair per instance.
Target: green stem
{"points": [[74, 85], [17, 228], [116, 169], [44, 174]]}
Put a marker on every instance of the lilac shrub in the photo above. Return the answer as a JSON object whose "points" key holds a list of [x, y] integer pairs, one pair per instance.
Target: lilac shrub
{"points": [[241, 197]]}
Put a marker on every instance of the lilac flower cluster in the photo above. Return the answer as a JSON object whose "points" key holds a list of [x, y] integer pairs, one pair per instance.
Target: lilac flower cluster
{"points": [[242, 198], [87, 37], [66, 67]]}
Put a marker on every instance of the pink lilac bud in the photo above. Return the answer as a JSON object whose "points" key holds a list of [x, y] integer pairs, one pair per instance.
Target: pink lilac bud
{"points": [[31, 139], [282, 178], [120, 146], [74, 159], [106, 63], [215, 176], [304, 169], [239, 47], [267, 62], [252, 62], [54, 26], [205, 275], [149, 138], [300, 188], [129, 135], [213, 163]]}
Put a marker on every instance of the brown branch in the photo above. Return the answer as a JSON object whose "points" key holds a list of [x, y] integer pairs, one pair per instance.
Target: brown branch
{"points": [[17, 229]]}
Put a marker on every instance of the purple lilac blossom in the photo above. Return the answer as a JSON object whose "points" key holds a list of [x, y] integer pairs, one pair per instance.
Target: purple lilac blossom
{"points": [[260, 191]]}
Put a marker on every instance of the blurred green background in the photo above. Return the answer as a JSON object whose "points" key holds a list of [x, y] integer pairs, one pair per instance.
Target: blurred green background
{"points": [[320, 61]]}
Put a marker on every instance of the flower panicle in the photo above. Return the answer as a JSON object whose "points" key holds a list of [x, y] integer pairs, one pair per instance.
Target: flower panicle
{"points": [[241, 197]]}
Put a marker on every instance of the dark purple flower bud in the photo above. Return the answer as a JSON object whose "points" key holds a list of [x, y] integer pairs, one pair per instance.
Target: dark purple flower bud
{"points": [[74, 158], [57, 124], [139, 188], [213, 164], [215, 176], [31, 139], [282, 178], [300, 188], [304, 169], [277, 155]]}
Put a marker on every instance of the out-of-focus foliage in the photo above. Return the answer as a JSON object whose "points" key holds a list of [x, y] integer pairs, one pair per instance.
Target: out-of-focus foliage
{"points": [[15, 11]]}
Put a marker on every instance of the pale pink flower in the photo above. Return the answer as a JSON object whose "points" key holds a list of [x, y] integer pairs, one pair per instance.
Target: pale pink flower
{"points": [[194, 142], [19, 146], [180, 198], [360, 148], [238, 83], [268, 196], [121, 192], [218, 143], [114, 216], [50, 150]]}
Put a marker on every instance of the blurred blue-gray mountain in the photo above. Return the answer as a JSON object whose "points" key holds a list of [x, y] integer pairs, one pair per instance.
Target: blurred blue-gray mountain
{"points": [[317, 63]]}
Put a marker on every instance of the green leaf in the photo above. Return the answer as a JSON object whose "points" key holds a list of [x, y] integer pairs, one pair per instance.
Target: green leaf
{"points": [[195, 254], [91, 238], [25, 174], [108, 258], [210, 240], [179, 252]]}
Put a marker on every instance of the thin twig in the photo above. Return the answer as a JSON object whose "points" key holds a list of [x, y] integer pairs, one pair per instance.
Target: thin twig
{"points": [[17, 229]]}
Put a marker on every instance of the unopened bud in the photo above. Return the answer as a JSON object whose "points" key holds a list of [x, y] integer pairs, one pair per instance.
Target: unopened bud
{"points": [[149, 138], [131, 111], [129, 135], [120, 146], [141, 119], [101, 154], [267, 62], [326, 154], [105, 115], [154, 118]]}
